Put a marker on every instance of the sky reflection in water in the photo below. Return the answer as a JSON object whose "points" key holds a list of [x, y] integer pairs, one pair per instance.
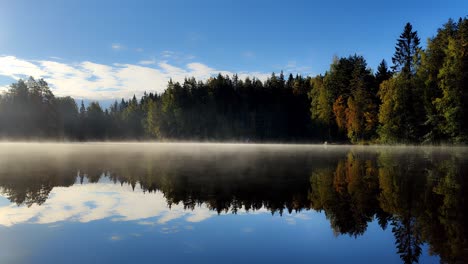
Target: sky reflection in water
{"points": [[147, 203]]}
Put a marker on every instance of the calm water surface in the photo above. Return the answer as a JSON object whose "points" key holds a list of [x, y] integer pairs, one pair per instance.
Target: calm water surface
{"points": [[210, 203]]}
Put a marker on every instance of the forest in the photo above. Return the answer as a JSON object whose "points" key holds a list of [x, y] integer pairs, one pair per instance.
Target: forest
{"points": [[421, 98]]}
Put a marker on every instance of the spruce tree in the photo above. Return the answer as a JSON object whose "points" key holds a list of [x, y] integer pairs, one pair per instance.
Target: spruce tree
{"points": [[407, 52], [405, 122], [383, 73]]}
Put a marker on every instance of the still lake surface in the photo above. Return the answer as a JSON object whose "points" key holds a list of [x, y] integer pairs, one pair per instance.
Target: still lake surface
{"points": [[212, 203]]}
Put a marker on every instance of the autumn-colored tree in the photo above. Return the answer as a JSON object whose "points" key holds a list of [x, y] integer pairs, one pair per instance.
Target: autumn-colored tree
{"points": [[339, 110], [361, 114]]}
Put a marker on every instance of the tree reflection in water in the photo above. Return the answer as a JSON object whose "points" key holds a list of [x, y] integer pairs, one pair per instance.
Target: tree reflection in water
{"points": [[418, 192]]}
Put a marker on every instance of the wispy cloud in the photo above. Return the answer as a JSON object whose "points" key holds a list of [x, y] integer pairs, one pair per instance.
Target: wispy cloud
{"points": [[147, 62], [117, 46], [167, 54], [293, 67], [97, 81]]}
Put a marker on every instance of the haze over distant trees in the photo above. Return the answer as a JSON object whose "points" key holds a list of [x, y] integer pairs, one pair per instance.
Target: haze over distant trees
{"points": [[422, 98]]}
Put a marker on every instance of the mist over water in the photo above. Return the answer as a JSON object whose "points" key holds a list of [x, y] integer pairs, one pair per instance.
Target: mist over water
{"points": [[405, 203]]}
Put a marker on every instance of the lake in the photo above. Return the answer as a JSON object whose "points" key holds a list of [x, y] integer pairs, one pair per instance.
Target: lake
{"points": [[229, 203]]}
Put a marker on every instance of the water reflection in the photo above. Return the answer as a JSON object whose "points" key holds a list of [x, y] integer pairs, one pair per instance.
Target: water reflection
{"points": [[418, 193], [85, 203]]}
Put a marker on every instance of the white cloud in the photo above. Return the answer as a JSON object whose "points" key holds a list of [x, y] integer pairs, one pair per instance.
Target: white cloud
{"points": [[15, 68], [117, 46], [199, 215], [201, 70], [170, 68], [90, 80]]}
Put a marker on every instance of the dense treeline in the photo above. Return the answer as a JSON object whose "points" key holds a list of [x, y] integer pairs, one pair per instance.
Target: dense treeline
{"points": [[222, 108], [422, 98]]}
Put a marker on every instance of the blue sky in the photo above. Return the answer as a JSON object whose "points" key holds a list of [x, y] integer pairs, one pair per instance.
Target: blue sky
{"points": [[109, 49]]}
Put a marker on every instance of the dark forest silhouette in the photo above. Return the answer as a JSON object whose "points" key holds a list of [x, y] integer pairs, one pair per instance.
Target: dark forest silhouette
{"points": [[423, 98]]}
